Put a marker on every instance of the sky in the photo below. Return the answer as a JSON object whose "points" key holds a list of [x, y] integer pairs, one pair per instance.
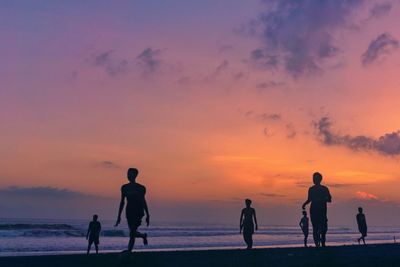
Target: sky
{"points": [[213, 102]]}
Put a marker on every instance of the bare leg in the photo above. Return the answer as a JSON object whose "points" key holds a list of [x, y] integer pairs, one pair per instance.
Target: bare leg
{"points": [[305, 240], [316, 236], [248, 238], [143, 236], [131, 241], [97, 248], [88, 248], [363, 239]]}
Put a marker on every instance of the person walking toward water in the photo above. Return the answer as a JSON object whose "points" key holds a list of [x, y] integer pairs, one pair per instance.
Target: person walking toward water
{"points": [[318, 196], [136, 207], [362, 225], [93, 234], [304, 227], [247, 223]]}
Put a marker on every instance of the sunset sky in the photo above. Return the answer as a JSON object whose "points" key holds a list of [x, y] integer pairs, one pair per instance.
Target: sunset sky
{"points": [[213, 101]]}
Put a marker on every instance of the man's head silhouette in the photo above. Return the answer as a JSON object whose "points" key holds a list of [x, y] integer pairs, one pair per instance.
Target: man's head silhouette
{"points": [[317, 178], [132, 174], [304, 213], [95, 217], [360, 210], [248, 202]]}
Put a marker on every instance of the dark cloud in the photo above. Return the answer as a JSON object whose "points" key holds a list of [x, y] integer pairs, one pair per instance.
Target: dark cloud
{"points": [[267, 132], [149, 60], [270, 116], [269, 85], [380, 9], [381, 45], [109, 164], [239, 76], [225, 48], [339, 185], [52, 202], [221, 67], [46, 191], [304, 184], [387, 144], [297, 35], [272, 195], [111, 64], [291, 131], [264, 60]]}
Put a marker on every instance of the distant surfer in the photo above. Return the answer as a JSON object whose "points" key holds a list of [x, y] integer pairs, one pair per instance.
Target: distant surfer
{"points": [[136, 207], [93, 234], [304, 226], [362, 225], [247, 223]]}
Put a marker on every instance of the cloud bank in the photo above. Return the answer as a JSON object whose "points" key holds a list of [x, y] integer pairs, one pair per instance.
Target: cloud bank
{"points": [[298, 35], [382, 45], [387, 144]]}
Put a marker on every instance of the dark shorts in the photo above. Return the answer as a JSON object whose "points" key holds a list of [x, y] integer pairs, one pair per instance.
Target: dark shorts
{"points": [[94, 239], [319, 220], [363, 232], [248, 228], [134, 223]]}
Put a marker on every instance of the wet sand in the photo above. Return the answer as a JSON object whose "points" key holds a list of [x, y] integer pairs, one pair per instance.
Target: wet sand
{"points": [[366, 256]]}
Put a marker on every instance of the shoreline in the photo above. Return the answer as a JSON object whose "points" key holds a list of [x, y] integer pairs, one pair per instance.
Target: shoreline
{"points": [[347, 255], [185, 249]]}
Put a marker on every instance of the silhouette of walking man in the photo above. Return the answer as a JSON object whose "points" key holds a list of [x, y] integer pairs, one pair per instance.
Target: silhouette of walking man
{"points": [[304, 227], [93, 234], [362, 225], [318, 196], [136, 206], [247, 224]]}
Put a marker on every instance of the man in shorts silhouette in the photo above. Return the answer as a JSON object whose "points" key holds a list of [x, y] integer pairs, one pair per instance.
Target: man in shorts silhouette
{"points": [[318, 196], [136, 207], [93, 234]]}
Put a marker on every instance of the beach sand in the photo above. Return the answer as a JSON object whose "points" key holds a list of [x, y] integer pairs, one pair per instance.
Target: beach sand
{"points": [[366, 256]]}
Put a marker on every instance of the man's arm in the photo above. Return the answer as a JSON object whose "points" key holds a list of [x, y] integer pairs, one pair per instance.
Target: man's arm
{"points": [[121, 208], [255, 218], [308, 201], [240, 222], [329, 197], [88, 232], [146, 210]]}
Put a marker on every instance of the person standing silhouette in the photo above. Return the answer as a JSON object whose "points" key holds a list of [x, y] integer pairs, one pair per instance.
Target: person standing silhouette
{"points": [[136, 207], [304, 227], [318, 196], [93, 234], [362, 225], [247, 224]]}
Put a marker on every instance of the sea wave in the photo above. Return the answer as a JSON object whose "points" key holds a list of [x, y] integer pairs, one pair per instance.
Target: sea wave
{"points": [[27, 226]]}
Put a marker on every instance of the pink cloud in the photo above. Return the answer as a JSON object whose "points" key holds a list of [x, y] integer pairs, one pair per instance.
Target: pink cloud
{"points": [[365, 195]]}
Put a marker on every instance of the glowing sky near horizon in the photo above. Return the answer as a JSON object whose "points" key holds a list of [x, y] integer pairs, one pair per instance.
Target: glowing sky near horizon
{"points": [[211, 100]]}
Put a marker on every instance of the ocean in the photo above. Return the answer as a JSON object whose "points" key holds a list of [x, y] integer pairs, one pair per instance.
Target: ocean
{"points": [[19, 237]]}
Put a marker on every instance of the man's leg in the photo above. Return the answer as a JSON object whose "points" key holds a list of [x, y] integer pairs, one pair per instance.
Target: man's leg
{"points": [[324, 230], [251, 240], [132, 236], [247, 239], [316, 234], [305, 239], [88, 248]]}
